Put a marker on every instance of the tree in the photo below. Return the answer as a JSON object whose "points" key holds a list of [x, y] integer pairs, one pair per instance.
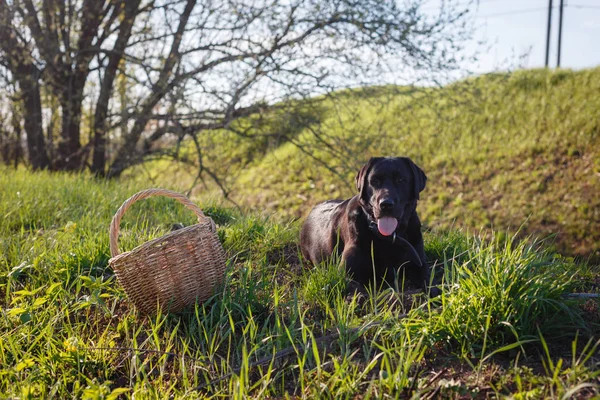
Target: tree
{"points": [[55, 42], [131, 10], [18, 59], [195, 67], [10, 129]]}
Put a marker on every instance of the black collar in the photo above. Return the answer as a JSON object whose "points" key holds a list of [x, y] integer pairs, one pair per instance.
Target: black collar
{"points": [[393, 238]]}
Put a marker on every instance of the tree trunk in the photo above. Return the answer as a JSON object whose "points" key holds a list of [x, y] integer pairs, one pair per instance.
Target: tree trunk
{"points": [[69, 148], [16, 139], [20, 63], [99, 158], [18, 150], [27, 76], [4, 146]]}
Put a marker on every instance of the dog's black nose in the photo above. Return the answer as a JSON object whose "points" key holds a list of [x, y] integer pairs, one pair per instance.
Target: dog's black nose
{"points": [[386, 204]]}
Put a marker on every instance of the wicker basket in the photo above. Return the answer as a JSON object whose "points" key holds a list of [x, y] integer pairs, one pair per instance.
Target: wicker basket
{"points": [[173, 271]]}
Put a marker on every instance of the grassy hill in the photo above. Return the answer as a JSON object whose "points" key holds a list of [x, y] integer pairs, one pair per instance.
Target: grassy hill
{"points": [[502, 326], [510, 152], [517, 151]]}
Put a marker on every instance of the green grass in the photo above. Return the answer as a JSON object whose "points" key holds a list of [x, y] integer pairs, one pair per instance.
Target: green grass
{"points": [[510, 152], [502, 326]]}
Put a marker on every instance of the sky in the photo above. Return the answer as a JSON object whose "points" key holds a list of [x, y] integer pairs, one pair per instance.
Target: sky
{"points": [[514, 28]]}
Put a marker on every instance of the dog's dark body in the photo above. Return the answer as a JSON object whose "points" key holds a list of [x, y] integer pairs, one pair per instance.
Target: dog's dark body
{"points": [[388, 187]]}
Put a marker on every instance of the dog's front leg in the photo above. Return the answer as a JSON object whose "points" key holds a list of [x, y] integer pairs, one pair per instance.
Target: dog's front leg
{"points": [[415, 237], [358, 267]]}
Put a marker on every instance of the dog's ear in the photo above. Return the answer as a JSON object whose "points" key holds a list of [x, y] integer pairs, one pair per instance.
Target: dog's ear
{"points": [[363, 174], [419, 177]]}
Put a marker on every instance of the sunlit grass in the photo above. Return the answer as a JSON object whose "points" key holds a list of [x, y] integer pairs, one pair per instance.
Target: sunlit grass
{"points": [[502, 151], [277, 327]]}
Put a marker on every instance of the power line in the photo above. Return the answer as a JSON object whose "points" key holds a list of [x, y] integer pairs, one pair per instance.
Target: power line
{"points": [[527, 10], [466, 3], [515, 12], [583, 6]]}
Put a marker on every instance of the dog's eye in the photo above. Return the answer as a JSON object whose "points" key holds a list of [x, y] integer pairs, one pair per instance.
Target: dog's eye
{"points": [[375, 181], [399, 179]]}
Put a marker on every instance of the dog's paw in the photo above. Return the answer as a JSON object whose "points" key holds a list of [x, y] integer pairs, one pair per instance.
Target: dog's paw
{"points": [[434, 291], [355, 289]]}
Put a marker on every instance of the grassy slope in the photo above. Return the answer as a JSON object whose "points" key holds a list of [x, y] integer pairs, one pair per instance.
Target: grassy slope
{"points": [[60, 304], [501, 151]]}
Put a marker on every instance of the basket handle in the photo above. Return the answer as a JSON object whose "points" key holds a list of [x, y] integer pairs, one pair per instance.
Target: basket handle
{"points": [[144, 194]]}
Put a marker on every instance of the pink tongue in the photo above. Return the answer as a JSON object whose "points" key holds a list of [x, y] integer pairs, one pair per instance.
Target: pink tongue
{"points": [[387, 225]]}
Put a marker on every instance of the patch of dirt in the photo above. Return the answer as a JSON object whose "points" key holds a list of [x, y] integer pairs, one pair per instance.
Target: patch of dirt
{"points": [[288, 255], [591, 311], [458, 381]]}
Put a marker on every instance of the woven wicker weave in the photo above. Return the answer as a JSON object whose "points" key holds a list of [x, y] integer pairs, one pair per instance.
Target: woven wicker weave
{"points": [[173, 271]]}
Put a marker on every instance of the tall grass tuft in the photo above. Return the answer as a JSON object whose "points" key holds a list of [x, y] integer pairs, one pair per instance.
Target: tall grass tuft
{"points": [[500, 291]]}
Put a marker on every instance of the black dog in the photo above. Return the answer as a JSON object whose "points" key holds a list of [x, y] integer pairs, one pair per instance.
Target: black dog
{"points": [[376, 231]]}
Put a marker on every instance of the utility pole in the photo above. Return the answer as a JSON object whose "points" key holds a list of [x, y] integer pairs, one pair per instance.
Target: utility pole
{"points": [[548, 33], [560, 20]]}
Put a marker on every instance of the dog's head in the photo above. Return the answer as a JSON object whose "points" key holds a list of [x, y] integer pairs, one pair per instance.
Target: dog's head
{"points": [[389, 189]]}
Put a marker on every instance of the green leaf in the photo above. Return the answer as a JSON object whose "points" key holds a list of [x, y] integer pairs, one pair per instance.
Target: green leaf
{"points": [[28, 363], [24, 293], [26, 317], [53, 287], [86, 279], [16, 311], [117, 392], [508, 347], [39, 301]]}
